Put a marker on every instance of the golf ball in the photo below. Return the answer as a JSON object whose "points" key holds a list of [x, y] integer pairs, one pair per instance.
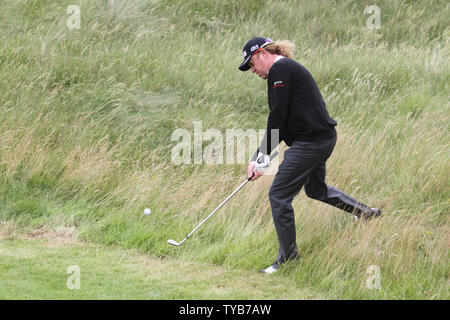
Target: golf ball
{"points": [[147, 211]]}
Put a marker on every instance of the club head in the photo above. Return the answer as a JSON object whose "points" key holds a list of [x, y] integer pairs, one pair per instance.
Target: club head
{"points": [[173, 242]]}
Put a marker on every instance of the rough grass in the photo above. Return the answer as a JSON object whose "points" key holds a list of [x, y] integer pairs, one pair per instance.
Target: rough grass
{"points": [[86, 119]]}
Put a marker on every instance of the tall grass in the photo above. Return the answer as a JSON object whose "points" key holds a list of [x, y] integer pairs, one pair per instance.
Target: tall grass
{"points": [[86, 119]]}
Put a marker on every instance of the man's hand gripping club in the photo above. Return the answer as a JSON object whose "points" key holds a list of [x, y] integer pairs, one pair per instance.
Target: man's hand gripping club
{"points": [[256, 168]]}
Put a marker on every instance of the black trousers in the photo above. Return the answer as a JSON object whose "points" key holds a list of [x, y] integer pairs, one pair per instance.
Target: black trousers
{"points": [[304, 165]]}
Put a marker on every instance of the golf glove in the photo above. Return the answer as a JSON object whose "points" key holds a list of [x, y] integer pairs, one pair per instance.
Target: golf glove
{"points": [[262, 161]]}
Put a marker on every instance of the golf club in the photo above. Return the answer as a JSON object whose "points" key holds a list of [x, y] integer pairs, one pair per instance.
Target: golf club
{"points": [[176, 243]]}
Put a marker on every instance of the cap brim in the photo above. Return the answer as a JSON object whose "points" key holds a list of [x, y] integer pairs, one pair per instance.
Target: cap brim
{"points": [[244, 66]]}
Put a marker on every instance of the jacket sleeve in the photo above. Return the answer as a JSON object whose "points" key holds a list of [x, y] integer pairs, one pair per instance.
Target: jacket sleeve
{"points": [[279, 87]]}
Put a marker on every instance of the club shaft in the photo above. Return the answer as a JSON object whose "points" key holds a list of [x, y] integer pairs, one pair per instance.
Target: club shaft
{"points": [[218, 207]]}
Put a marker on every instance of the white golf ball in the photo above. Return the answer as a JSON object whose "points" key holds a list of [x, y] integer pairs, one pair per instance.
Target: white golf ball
{"points": [[147, 211]]}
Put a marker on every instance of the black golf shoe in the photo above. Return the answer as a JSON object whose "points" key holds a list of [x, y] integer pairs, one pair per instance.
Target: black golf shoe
{"points": [[373, 213]]}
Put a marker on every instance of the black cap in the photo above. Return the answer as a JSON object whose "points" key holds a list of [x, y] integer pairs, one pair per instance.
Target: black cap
{"points": [[251, 48]]}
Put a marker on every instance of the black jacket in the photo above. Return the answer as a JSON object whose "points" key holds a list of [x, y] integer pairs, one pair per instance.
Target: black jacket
{"points": [[296, 106]]}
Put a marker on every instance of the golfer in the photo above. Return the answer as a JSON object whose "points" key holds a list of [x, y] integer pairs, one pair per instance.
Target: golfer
{"points": [[298, 112]]}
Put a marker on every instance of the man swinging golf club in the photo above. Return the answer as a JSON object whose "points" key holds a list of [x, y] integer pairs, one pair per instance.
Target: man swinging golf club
{"points": [[298, 112]]}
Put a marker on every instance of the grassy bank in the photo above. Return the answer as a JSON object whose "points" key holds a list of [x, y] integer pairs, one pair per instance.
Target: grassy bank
{"points": [[87, 116]]}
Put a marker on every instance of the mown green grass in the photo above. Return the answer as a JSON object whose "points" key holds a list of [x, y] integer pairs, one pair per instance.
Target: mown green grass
{"points": [[87, 115], [40, 263]]}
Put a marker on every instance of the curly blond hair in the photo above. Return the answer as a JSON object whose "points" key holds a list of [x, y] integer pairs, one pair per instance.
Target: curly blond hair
{"points": [[284, 47]]}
